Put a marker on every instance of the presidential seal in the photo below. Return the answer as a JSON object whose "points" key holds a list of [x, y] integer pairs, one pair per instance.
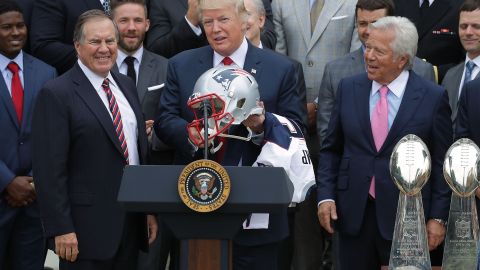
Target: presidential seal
{"points": [[204, 185]]}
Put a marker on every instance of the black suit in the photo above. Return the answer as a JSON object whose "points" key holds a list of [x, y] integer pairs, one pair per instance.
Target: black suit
{"points": [[26, 6], [51, 35], [438, 40], [78, 165], [170, 33]]}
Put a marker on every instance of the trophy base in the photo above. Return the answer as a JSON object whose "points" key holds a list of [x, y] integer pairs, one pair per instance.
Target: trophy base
{"points": [[409, 245], [460, 250]]}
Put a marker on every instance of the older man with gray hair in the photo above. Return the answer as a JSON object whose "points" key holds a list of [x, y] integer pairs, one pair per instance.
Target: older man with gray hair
{"points": [[371, 113]]}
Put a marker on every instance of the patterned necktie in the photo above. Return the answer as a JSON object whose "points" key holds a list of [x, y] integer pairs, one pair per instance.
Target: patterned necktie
{"points": [[17, 90], [379, 127], [106, 7], [469, 66], [129, 60], [117, 118], [315, 11]]}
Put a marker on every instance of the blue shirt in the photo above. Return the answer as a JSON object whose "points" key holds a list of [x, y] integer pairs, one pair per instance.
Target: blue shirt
{"points": [[396, 89]]}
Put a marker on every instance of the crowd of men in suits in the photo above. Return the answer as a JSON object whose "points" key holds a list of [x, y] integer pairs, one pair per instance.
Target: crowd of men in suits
{"points": [[108, 83]]}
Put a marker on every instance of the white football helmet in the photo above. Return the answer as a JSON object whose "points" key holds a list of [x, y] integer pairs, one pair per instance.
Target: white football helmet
{"points": [[231, 95]]}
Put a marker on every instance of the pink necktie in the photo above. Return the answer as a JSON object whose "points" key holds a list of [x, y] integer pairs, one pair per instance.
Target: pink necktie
{"points": [[379, 126]]}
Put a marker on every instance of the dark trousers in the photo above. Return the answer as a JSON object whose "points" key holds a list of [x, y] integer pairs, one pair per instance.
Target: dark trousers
{"points": [[261, 257], [22, 245], [124, 259], [366, 251]]}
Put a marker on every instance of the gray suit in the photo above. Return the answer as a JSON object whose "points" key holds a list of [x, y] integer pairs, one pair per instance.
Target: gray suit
{"points": [[347, 66], [451, 82], [333, 37]]}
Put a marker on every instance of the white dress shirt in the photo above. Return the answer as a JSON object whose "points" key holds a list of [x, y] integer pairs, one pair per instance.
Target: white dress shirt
{"points": [[129, 120], [237, 56], [122, 66], [7, 74], [430, 2]]}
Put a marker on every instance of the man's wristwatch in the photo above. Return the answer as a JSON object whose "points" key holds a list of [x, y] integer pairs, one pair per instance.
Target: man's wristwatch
{"points": [[441, 221]]}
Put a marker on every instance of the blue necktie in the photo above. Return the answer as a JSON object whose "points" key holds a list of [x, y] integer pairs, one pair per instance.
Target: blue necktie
{"points": [[468, 71]]}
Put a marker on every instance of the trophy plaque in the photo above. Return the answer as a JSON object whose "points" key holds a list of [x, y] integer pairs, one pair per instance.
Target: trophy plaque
{"points": [[460, 172], [410, 167]]}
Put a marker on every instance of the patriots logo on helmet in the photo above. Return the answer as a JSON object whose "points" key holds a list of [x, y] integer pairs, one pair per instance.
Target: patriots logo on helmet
{"points": [[225, 77]]}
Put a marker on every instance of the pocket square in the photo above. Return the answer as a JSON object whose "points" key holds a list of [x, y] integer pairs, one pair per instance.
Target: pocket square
{"points": [[338, 17], [156, 87]]}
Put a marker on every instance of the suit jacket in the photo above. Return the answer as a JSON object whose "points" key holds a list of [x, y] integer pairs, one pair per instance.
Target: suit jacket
{"points": [[439, 47], [451, 82], [275, 75], [349, 65], [170, 33], [78, 167], [15, 139], [26, 6], [51, 34], [467, 122], [349, 159], [333, 37]]}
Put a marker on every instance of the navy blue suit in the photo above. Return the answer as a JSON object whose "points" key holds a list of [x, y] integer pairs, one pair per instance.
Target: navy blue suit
{"points": [[275, 75], [349, 159], [16, 160], [79, 162], [467, 123]]}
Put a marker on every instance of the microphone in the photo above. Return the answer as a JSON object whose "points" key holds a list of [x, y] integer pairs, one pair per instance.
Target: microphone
{"points": [[206, 107]]}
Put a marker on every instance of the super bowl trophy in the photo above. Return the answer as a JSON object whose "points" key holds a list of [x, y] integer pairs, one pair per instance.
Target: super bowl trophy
{"points": [[410, 167], [460, 171]]}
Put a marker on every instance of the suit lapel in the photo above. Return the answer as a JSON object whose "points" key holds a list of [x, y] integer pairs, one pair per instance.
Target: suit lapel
{"points": [[329, 9], [252, 61], [89, 95], [302, 11], [362, 90], [146, 68], [436, 11], [358, 65], [29, 80], [7, 101], [410, 101]]}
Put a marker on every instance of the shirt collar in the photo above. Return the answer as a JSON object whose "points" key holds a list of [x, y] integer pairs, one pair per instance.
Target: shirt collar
{"points": [[121, 56], [237, 56], [430, 2], [95, 79], [397, 86], [4, 61], [475, 60]]}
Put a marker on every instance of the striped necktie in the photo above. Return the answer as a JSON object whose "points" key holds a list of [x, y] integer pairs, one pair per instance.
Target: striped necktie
{"points": [[117, 118]]}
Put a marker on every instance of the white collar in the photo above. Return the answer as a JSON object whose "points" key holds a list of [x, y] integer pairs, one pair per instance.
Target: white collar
{"points": [[4, 61], [122, 55], [475, 60], [397, 86], [94, 78], [237, 56]]}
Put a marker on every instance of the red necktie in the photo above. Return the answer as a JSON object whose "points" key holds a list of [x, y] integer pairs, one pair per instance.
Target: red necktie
{"points": [[379, 126], [227, 61], [17, 90], [117, 118]]}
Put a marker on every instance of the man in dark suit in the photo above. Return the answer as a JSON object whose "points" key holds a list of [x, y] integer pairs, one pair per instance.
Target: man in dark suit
{"points": [[469, 34], [78, 167], [224, 27], [148, 71], [372, 113], [22, 78], [437, 24], [51, 36], [176, 27]]}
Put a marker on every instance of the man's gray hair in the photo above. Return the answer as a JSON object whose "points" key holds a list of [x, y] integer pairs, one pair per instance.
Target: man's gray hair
{"points": [[212, 4], [259, 7], [406, 36], [87, 16]]}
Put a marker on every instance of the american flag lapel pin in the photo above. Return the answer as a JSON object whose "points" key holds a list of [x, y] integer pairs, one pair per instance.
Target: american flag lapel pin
{"points": [[254, 71]]}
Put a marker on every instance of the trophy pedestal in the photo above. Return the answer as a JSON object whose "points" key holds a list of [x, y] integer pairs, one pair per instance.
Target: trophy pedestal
{"points": [[461, 241], [409, 245]]}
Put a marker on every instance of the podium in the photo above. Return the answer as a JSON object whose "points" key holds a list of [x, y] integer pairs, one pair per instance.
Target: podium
{"points": [[204, 245]]}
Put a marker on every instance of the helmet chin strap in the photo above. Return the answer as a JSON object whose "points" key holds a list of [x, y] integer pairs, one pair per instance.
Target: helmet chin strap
{"points": [[215, 149]]}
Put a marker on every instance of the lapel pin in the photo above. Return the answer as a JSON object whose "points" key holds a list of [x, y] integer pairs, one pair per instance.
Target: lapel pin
{"points": [[254, 71]]}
